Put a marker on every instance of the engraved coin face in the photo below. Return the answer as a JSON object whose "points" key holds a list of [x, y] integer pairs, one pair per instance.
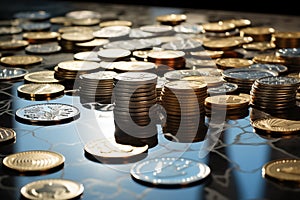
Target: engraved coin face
{"points": [[20, 60], [7, 135], [279, 81], [277, 125], [186, 85], [12, 73], [45, 76], [283, 170], [34, 161], [47, 114], [41, 91], [245, 73], [169, 171], [52, 189]]}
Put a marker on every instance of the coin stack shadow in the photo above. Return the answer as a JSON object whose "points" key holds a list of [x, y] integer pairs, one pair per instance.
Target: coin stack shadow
{"points": [[184, 105], [134, 98]]}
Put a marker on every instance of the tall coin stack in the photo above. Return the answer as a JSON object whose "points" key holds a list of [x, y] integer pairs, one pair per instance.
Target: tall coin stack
{"points": [[134, 97], [274, 94], [184, 105], [96, 87]]}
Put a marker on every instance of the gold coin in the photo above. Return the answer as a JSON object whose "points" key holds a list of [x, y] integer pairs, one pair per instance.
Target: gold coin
{"points": [[227, 63], [77, 36], [166, 54], [85, 21], [286, 35], [52, 189], [34, 37], [259, 46], [239, 23], [34, 161], [172, 19], [277, 126], [257, 31], [71, 29], [34, 91], [218, 26], [21, 60], [13, 44], [116, 23], [269, 59], [283, 170], [7, 135], [221, 44], [61, 20], [229, 101], [46, 76]]}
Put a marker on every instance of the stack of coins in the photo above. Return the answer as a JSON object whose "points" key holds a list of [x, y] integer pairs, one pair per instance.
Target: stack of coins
{"points": [[274, 94], [41, 37], [134, 66], [258, 33], [244, 77], [134, 97], [233, 106], [184, 105], [96, 87], [291, 57], [69, 40], [172, 58], [68, 71], [286, 39], [229, 63]]}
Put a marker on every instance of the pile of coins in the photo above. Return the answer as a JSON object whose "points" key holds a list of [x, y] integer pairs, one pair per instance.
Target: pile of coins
{"points": [[184, 105], [134, 98]]}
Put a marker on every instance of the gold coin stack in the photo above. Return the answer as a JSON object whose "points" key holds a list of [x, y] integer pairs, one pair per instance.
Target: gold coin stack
{"points": [[69, 40], [291, 56], [171, 19], [184, 105], [172, 58], [229, 106], [274, 94], [134, 98], [68, 71], [96, 87], [258, 33], [286, 39]]}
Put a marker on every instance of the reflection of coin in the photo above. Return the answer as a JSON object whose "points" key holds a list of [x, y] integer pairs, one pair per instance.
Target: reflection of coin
{"points": [[12, 73], [52, 189], [285, 170], [107, 149], [45, 76], [19, 60], [34, 161], [7, 135], [47, 114], [169, 171], [276, 125], [33, 91]]}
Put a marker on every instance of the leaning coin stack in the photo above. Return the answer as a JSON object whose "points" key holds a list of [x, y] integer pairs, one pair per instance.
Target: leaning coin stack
{"points": [[134, 96], [286, 39], [96, 87], [232, 106], [172, 58], [184, 105], [69, 71], [244, 77], [274, 94]]}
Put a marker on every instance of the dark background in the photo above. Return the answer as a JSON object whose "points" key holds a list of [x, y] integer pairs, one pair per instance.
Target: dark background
{"points": [[287, 7]]}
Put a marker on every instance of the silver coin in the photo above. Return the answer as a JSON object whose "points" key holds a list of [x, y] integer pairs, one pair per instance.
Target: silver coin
{"points": [[134, 77], [275, 67], [83, 14], [12, 73], [288, 52], [134, 44], [112, 32], [156, 28], [279, 81], [33, 15], [223, 89], [169, 171], [188, 28], [43, 48], [47, 114], [87, 56], [36, 26], [182, 44], [10, 30]]}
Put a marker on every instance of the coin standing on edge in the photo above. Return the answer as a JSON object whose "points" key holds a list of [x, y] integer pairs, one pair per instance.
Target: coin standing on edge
{"points": [[168, 171]]}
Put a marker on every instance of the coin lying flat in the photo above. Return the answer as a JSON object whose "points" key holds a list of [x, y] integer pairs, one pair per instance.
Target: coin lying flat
{"points": [[7, 135], [171, 19], [108, 149], [45, 76], [169, 171], [48, 48], [13, 44], [12, 73], [34, 91], [19, 60], [34, 161], [52, 189], [284, 170], [47, 114]]}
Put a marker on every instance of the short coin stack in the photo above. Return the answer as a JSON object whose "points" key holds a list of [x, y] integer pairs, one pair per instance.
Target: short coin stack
{"points": [[184, 105], [134, 96], [172, 58]]}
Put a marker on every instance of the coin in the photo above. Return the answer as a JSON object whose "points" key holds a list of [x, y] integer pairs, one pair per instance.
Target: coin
{"points": [[171, 19], [269, 58], [221, 44], [12, 73], [52, 189], [36, 26], [34, 91], [77, 36], [44, 76], [33, 15], [87, 56], [157, 28], [34, 161], [229, 63], [116, 23], [188, 28], [227, 101], [10, 30], [112, 32], [258, 33], [107, 150], [60, 20], [47, 114], [47, 48], [78, 65], [124, 66], [21, 60], [83, 14], [13, 44], [218, 26], [259, 46], [7, 135], [85, 22], [113, 54], [276, 126], [282, 170], [169, 171], [41, 36], [275, 67], [182, 44]]}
